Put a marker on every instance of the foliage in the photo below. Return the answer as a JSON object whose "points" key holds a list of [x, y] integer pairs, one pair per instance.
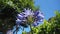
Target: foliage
{"points": [[18, 4]]}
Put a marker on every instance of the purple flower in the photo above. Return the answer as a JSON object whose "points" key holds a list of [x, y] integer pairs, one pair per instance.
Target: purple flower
{"points": [[23, 17], [20, 16], [36, 13], [38, 16], [18, 21], [27, 12], [41, 15], [35, 23]]}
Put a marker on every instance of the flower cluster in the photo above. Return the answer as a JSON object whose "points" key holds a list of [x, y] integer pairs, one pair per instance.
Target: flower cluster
{"points": [[28, 16]]}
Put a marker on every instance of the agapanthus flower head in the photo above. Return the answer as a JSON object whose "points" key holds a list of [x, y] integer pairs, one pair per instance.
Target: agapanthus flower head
{"points": [[28, 15]]}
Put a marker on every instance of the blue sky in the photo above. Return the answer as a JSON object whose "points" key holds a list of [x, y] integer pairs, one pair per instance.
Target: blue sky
{"points": [[47, 7]]}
